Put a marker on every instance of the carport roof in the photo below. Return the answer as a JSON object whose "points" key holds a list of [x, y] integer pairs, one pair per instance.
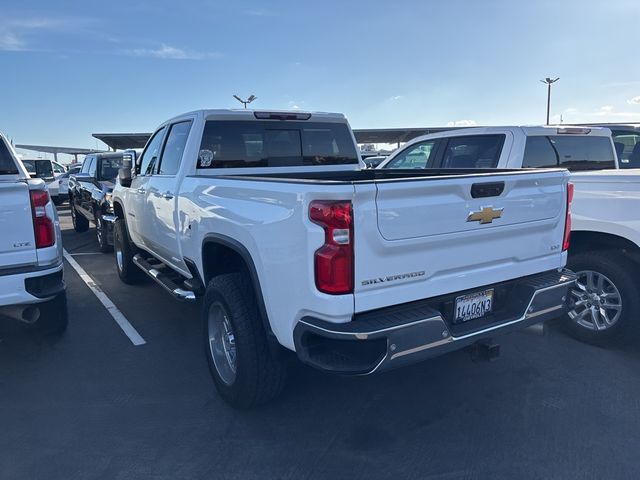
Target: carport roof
{"points": [[122, 141]]}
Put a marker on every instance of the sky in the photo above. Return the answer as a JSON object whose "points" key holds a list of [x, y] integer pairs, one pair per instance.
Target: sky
{"points": [[72, 68]]}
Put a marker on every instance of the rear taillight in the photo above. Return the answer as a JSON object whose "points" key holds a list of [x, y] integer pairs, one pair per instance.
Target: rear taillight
{"points": [[42, 225], [334, 260], [567, 222]]}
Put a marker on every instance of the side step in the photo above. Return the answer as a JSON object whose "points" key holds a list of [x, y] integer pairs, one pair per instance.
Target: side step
{"points": [[164, 280]]}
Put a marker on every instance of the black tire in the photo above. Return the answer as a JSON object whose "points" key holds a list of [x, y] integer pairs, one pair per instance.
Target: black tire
{"points": [[260, 373], [128, 271], [53, 319], [619, 270], [101, 233], [80, 223]]}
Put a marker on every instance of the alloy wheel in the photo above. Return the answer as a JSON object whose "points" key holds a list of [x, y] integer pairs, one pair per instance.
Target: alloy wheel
{"points": [[595, 301], [222, 344]]}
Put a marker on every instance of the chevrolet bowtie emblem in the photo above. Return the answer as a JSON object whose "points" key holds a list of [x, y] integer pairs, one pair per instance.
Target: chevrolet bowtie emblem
{"points": [[485, 215]]}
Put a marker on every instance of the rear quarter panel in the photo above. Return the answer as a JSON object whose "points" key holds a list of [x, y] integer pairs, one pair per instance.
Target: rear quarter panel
{"points": [[270, 219]]}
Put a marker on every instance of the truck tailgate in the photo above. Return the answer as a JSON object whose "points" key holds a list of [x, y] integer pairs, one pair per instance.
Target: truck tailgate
{"points": [[440, 235], [17, 242]]}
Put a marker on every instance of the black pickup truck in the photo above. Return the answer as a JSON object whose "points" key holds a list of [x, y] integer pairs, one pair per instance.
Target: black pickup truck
{"points": [[90, 195]]}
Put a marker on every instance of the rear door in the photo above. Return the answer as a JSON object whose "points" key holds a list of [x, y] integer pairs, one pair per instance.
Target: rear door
{"points": [[444, 234]]}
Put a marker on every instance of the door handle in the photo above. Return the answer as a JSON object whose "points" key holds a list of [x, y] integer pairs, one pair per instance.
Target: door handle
{"points": [[167, 196], [141, 190]]}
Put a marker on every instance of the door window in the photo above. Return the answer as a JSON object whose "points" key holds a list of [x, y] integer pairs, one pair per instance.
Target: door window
{"points": [[419, 155], [477, 151], [174, 148], [149, 157], [85, 164], [57, 168], [92, 167]]}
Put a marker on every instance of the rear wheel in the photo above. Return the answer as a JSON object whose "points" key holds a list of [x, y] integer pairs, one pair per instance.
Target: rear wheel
{"points": [[101, 232], [125, 251], [245, 370], [80, 224], [605, 301]]}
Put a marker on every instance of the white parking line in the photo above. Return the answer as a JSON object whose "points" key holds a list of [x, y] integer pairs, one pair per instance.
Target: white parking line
{"points": [[117, 315]]}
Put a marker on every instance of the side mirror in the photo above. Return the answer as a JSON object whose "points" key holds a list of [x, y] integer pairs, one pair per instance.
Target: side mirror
{"points": [[124, 173]]}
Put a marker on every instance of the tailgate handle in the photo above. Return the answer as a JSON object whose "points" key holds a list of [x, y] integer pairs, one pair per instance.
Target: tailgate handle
{"points": [[483, 190]]}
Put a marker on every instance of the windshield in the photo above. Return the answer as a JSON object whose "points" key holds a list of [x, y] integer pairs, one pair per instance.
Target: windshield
{"points": [[110, 167], [236, 144]]}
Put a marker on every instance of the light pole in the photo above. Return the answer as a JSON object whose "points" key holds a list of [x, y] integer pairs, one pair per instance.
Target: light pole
{"points": [[549, 81], [245, 102]]}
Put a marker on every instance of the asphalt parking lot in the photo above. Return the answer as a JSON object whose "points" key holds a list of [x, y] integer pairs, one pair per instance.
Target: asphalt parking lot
{"points": [[92, 405]]}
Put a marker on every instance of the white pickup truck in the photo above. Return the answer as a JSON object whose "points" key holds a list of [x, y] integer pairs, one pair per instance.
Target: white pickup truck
{"points": [[605, 232], [269, 217], [31, 284]]}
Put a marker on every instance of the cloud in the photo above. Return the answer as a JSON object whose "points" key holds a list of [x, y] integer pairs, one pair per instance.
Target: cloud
{"points": [[462, 123], [9, 42], [602, 114], [14, 31], [395, 98], [634, 100], [168, 52], [293, 105]]}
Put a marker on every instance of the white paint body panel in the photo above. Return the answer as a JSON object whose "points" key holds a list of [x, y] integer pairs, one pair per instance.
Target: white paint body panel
{"points": [[399, 227], [605, 201], [17, 239]]}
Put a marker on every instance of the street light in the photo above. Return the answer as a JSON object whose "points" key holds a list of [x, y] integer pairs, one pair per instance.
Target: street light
{"points": [[247, 101], [549, 81]]}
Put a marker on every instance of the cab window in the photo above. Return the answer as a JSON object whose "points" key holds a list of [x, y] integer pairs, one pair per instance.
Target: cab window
{"points": [[419, 155], [476, 151], [149, 158], [628, 148], [174, 148]]}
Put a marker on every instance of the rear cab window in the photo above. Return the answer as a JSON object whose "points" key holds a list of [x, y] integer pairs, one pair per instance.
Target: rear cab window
{"points": [[574, 153], [242, 144], [7, 163]]}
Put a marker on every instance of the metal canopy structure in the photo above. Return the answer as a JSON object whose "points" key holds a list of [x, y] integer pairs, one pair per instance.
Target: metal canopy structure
{"points": [[122, 141], [394, 135], [56, 150]]}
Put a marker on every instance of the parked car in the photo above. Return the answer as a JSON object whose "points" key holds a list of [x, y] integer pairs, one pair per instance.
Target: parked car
{"points": [[605, 231], [46, 170], [90, 196], [626, 139], [31, 284], [269, 218], [59, 188]]}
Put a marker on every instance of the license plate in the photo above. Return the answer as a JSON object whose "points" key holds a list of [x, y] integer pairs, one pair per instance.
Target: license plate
{"points": [[473, 305]]}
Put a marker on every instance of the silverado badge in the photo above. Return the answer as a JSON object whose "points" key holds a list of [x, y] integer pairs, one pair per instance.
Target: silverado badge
{"points": [[485, 215]]}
